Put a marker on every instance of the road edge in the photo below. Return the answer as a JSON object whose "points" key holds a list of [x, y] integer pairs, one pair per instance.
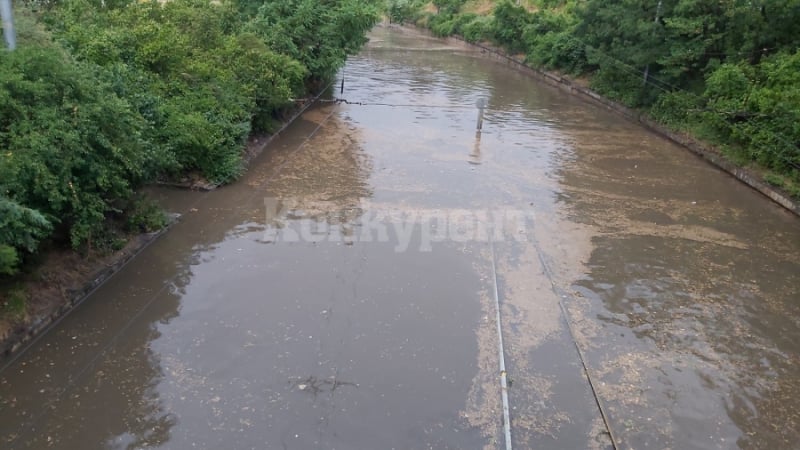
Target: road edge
{"points": [[24, 334]]}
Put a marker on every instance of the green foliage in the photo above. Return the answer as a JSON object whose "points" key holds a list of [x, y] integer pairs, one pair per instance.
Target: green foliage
{"points": [[477, 29], [726, 71], [442, 25], [62, 155], [559, 50], [794, 190], [319, 35], [8, 260], [677, 108], [774, 180], [449, 7], [14, 300], [509, 25], [402, 11], [758, 108], [144, 216], [119, 93], [550, 41], [206, 74], [21, 230], [21, 227]]}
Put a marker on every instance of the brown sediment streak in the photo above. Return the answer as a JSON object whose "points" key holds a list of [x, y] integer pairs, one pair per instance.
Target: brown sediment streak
{"points": [[329, 174], [529, 304], [483, 409], [531, 315], [688, 232]]}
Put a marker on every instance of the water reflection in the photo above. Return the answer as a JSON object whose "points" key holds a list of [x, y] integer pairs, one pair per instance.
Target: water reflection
{"points": [[475, 155], [50, 397], [103, 379], [327, 181]]}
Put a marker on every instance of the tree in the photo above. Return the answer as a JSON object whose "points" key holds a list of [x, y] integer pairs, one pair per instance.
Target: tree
{"points": [[21, 229]]}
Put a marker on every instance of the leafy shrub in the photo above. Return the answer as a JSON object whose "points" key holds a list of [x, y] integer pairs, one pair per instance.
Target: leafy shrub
{"points": [[145, 216], [319, 35], [66, 159], [8, 260], [402, 11], [676, 108], [448, 7], [509, 25], [460, 20], [624, 87], [758, 108], [477, 29], [114, 96], [558, 50], [21, 230], [442, 25], [774, 180]]}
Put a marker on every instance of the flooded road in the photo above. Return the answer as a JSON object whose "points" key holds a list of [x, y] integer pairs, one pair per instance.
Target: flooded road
{"points": [[341, 294]]}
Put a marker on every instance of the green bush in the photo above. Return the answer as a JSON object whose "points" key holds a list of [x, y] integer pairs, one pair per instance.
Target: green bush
{"points": [[677, 108], [509, 25], [319, 35], [145, 216], [624, 87], [448, 7], [442, 25], [757, 107], [774, 180], [63, 156], [402, 11], [21, 230], [116, 95], [477, 29], [9, 260], [558, 50]]}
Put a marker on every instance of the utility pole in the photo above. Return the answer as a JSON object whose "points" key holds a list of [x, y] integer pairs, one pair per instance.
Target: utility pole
{"points": [[8, 24], [647, 67]]}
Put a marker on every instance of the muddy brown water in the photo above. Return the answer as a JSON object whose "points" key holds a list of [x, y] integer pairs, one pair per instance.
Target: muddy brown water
{"points": [[339, 296]]}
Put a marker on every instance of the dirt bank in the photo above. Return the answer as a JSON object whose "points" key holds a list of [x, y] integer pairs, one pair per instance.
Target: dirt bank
{"points": [[57, 286]]}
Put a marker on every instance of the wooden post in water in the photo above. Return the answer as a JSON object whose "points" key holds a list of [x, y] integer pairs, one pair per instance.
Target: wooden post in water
{"points": [[481, 104]]}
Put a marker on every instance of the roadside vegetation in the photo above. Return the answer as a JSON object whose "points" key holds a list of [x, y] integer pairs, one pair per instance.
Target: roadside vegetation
{"points": [[726, 72], [102, 97]]}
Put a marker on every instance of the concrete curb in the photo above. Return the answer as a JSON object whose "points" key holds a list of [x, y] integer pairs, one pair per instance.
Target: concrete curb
{"points": [[27, 333]]}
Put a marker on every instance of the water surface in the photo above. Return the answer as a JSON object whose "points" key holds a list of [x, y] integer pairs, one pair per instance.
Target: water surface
{"points": [[306, 307]]}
